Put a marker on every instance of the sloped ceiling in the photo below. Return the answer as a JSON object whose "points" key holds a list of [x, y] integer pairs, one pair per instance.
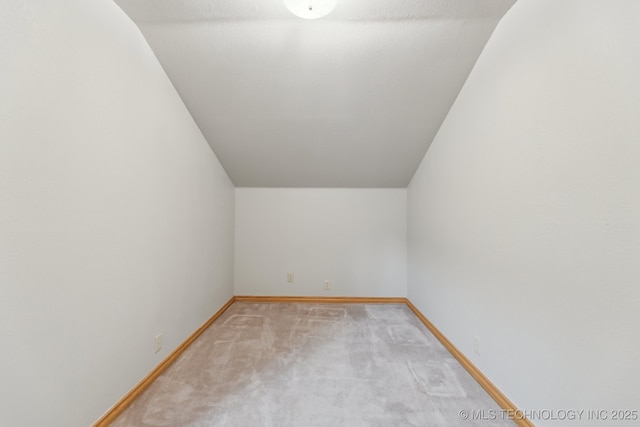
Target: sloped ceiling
{"points": [[350, 100]]}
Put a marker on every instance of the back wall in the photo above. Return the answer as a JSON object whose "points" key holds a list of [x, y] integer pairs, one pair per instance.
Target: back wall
{"points": [[355, 238]]}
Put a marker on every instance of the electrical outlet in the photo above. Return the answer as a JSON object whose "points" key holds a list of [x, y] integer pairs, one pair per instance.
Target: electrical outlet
{"points": [[327, 285], [290, 277], [476, 345], [158, 341]]}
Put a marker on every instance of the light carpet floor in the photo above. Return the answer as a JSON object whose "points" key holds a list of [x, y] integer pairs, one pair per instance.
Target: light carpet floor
{"points": [[302, 364]]}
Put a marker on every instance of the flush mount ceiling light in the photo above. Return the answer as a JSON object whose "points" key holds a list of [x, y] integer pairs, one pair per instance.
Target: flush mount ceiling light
{"points": [[310, 9]]}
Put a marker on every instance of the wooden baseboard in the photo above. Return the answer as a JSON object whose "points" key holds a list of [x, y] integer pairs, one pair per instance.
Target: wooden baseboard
{"points": [[336, 300], [484, 382], [136, 391]]}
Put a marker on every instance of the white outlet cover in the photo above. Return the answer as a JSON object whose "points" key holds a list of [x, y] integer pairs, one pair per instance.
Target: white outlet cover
{"points": [[158, 341]]}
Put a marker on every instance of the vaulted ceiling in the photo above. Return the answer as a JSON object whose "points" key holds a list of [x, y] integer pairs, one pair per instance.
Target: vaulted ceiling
{"points": [[349, 100]]}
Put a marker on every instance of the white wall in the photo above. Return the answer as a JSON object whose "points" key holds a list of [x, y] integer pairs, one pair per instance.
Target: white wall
{"points": [[524, 216], [116, 220], [355, 238]]}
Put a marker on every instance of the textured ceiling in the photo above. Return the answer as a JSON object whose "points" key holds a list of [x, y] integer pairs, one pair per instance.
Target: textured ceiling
{"points": [[350, 100]]}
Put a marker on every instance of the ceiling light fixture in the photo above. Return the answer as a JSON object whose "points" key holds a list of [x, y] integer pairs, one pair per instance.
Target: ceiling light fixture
{"points": [[310, 9]]}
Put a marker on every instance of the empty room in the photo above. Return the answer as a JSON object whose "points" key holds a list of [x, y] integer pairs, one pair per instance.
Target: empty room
{"points": [[319, 213]]}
